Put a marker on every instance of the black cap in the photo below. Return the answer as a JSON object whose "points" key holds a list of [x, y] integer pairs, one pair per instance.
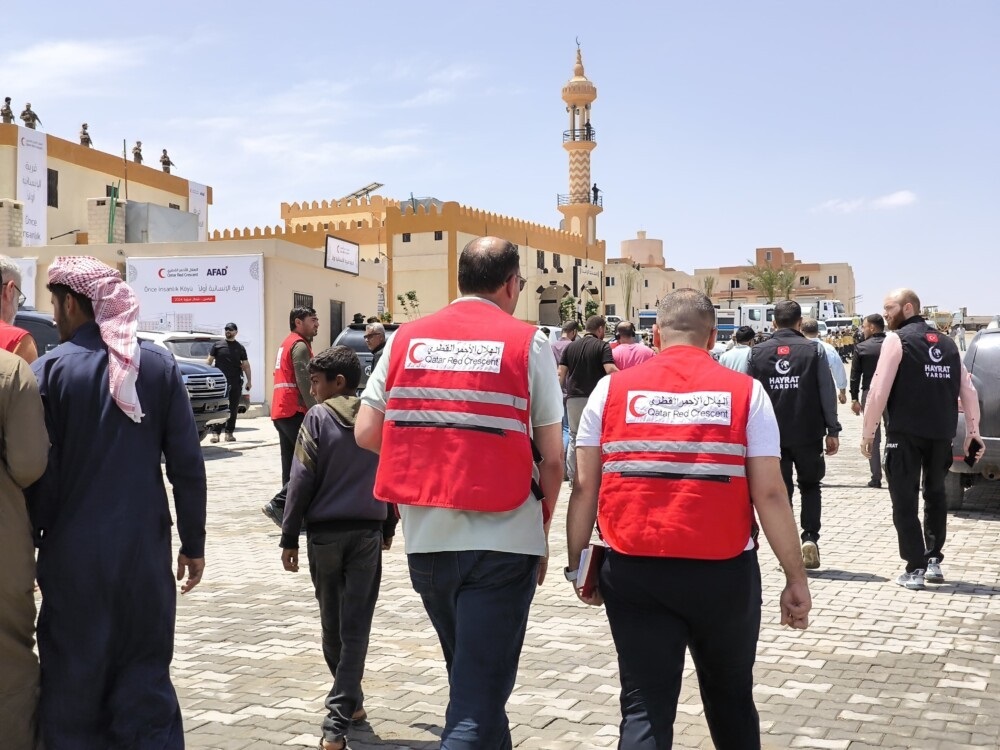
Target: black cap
{"points": [[231, 327]]}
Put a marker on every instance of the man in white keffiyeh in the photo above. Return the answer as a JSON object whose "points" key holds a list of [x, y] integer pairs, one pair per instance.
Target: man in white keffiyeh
{"points": [[102, 520], [115, 309]]}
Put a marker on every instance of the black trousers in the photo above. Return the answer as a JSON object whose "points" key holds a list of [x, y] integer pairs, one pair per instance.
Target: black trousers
{"points": [[235, 391], [810, 468], [346, 570], [906, 457], [288, 432], [657, 608]]}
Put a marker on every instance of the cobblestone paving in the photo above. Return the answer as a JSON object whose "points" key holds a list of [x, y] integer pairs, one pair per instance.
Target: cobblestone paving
{"points": [[879, 666]]}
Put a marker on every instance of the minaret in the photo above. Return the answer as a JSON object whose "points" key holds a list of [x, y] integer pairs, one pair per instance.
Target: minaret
{"points": [[583, 203]]}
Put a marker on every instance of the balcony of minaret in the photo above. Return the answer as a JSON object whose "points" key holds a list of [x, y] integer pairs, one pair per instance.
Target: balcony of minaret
{"points": [[583, 134], [570, 199]]}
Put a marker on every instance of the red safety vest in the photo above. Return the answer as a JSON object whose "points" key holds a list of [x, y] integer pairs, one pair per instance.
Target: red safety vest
{"points": [[286, 400], [456, 420], [10, 336], [673, 445]]}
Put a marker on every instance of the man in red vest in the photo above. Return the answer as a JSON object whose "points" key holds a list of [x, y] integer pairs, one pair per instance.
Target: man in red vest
{"points": [[15, 340], [674, 456], [455, 406], [291, 398]]}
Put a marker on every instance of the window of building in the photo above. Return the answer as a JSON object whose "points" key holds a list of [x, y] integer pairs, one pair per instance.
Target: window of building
{"points": [[302, 300], [673, 284], [438, 235], [108, 190], [803, 281], [609, 309], [540, 259], [832, 280], [734, 283], [647, 305], [609, 281], [556, 261], [767, 255], [645, 283], [174, 205], [53, 188], [406, 236], [578, 262], [326, 225]]}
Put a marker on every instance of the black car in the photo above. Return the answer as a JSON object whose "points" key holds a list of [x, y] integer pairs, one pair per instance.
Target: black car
{"points": [[982, 360], [41, 326], [354, 337]]}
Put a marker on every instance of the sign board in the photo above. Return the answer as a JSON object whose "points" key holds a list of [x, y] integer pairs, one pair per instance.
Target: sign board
{"points": [[203, 293], [341, 255], [29, 269], [198, 205], [33, 185]]}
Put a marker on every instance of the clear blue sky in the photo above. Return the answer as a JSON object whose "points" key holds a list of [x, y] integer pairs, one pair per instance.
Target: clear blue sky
{"points": [[858, 130]]}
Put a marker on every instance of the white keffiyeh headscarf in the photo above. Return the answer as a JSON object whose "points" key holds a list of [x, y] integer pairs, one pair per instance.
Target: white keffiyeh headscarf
{"points": [[116, 312]]}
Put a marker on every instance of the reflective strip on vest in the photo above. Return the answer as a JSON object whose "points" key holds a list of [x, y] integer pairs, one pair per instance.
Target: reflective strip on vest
{"points": [[673, 467], [673, 446], [458, 394], [446, 418], [286, 385]]}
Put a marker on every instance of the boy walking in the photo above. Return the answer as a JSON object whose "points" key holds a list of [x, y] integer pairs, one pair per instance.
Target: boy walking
{"points": [[330, 488]]}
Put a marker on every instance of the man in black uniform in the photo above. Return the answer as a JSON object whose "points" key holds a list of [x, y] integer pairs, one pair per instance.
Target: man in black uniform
{"points": [[863, 365], [920, 377], [797, 377], [230, 357]]}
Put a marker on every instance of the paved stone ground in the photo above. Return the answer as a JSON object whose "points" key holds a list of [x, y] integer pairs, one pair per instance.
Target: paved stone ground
{"points": [[879, 666]]}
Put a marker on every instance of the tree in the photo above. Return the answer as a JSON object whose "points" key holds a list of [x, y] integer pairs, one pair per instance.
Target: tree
{"points": [[567, 308], [708, 284], [770, 281], [628, 279], [590, 308], [410, 304]]}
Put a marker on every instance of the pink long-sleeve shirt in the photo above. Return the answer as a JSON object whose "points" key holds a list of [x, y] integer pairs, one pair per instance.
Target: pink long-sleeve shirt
{"points": [[885, 373]]}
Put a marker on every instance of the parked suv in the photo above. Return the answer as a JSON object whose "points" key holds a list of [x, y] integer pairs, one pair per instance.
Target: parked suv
{"points": [[354, 337], [205, 385], [41, 326], [983, 362]]}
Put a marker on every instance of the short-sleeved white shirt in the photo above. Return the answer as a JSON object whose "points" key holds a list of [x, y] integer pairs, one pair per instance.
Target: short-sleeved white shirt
{"points": [[444, 530], [763, 437]]}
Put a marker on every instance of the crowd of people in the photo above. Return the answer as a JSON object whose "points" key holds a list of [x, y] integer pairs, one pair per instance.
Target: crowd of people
{"points": [[675, 461]]}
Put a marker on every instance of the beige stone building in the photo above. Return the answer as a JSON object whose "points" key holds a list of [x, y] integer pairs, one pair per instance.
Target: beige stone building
{"points": [[640, 278]]}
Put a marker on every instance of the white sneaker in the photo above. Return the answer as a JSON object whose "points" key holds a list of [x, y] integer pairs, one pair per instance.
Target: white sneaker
{"points": [[214, 438], [913, 580], [810, 555], [934, 574]]}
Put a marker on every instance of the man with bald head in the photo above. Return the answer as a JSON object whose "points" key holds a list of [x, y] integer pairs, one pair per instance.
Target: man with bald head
{"points": [[455, 406], [919, 380], [673, 458]]}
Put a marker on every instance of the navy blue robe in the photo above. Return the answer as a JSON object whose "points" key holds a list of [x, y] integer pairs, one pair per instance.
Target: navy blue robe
{"points": [[103, 528]]}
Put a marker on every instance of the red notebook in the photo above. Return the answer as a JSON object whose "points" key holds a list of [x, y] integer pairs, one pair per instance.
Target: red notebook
{"points": [[587, 573]]}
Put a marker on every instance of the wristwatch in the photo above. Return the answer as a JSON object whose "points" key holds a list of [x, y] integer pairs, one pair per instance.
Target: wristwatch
{"points": [[570, 574]]}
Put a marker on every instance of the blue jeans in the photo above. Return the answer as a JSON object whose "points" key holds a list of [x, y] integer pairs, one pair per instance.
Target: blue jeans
{"points": [[478, 603]]}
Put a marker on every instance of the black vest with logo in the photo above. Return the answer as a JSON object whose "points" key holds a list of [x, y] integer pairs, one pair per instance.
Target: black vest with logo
{"points": [[787, 366], [924, 398]]}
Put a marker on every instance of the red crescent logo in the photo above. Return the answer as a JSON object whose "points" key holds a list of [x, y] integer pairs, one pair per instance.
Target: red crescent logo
{"points": [[412, 354], [161, 273], [632, 407]]}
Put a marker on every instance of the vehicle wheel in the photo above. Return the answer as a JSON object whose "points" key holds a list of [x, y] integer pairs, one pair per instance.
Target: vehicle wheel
{"points": [[954, 491]]}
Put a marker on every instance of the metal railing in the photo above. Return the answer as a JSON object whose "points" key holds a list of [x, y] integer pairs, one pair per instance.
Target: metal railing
{"points": [[573, 198], [580, 134]]}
